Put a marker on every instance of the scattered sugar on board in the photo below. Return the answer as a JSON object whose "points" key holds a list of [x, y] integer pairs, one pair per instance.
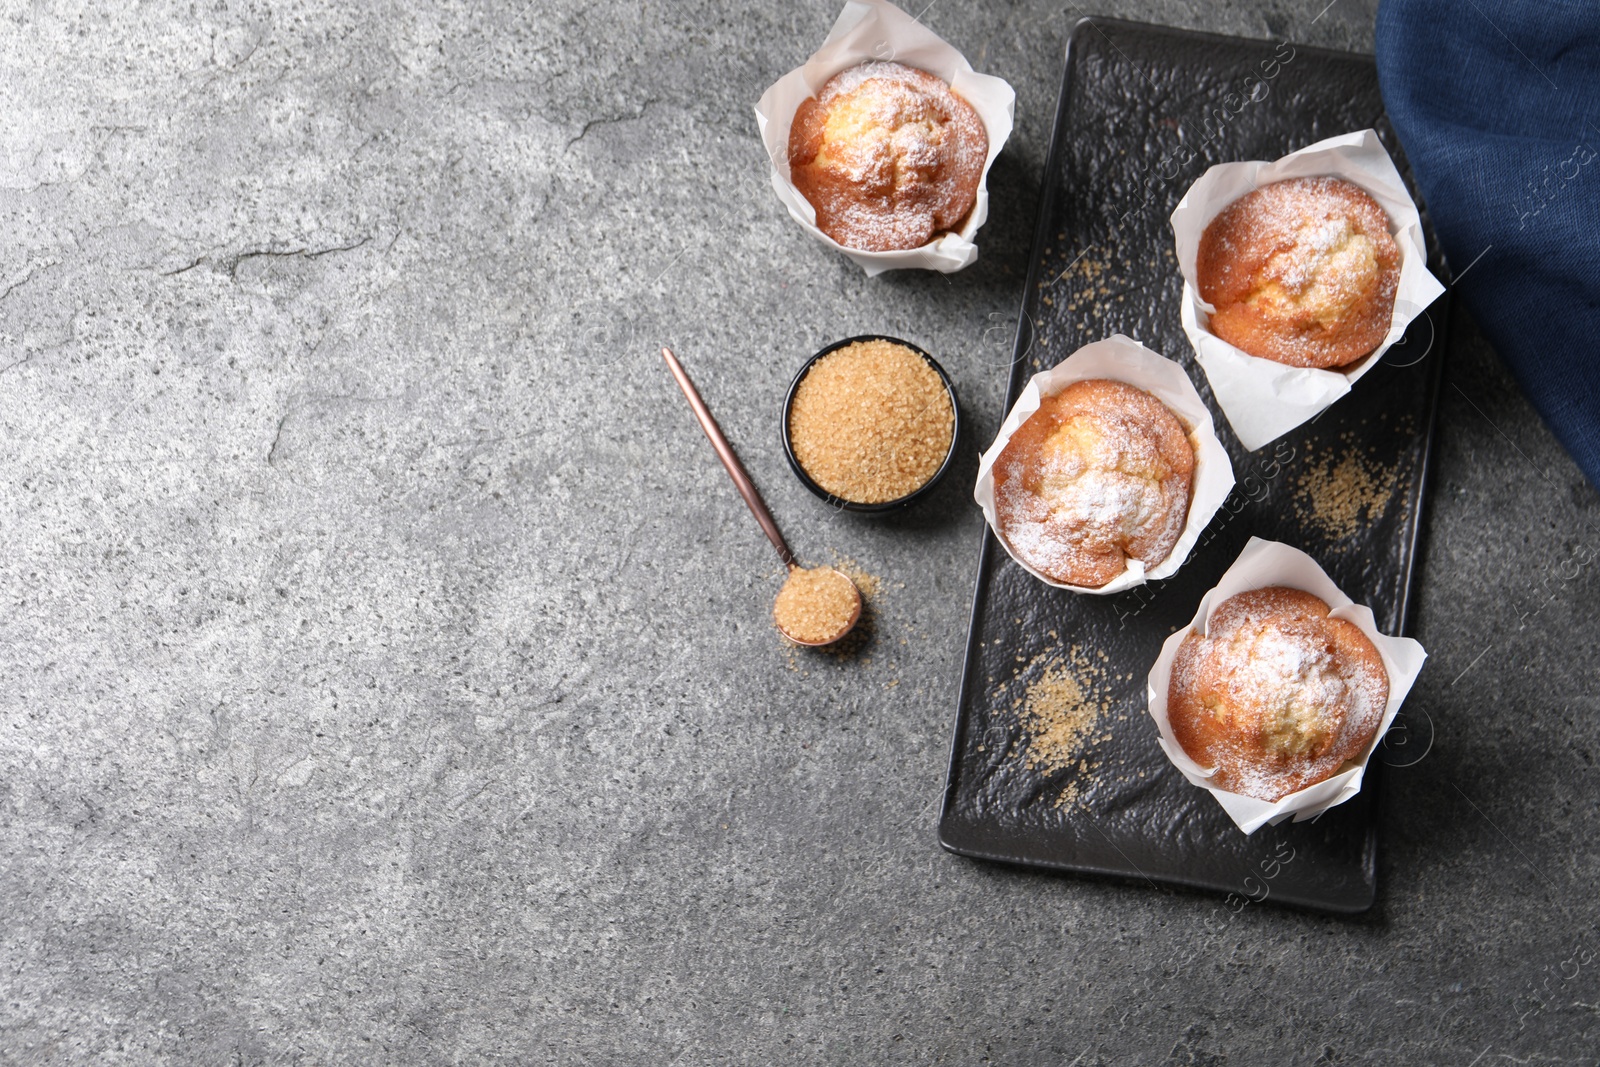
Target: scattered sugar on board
{"points": [[1341, 495], [1061, 710]]}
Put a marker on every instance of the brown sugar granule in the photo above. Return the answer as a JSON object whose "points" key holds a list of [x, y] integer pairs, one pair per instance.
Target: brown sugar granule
{"points": [[1060, 711], [1342, 498], [815, 605], [871, 422], [869, 584]]}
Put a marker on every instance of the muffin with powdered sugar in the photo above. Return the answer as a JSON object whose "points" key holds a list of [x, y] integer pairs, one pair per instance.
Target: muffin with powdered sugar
{"points": [[888, 155], [1276, 695], [1099, 475]]}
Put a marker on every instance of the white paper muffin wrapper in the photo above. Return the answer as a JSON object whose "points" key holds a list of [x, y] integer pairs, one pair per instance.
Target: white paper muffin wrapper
{"points": [[1263, 564], [1125, 360], [868, 30], [1264, 399]]}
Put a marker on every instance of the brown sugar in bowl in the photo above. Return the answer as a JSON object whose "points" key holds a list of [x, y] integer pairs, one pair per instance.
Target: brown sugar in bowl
{"points": [[874, 465]]}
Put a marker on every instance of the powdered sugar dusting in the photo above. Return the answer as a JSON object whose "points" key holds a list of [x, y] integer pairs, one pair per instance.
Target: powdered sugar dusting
{"points": [[850, 79]]}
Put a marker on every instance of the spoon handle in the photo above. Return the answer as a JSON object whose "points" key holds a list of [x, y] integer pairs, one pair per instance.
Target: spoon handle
{"points": [[729, 459]]}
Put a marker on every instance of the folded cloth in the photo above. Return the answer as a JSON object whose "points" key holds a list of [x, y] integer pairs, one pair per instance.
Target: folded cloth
{"points": [[1497, 104]]}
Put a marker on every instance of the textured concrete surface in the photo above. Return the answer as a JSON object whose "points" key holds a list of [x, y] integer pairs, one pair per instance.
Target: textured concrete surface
{"points": [[384, 665]]}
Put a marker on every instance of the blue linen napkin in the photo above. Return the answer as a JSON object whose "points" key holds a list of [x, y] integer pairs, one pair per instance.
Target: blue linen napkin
{"points": [[1497, 104]]}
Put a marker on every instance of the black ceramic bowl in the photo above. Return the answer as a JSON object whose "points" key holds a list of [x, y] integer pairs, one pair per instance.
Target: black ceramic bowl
{"points": [[888, 505]]}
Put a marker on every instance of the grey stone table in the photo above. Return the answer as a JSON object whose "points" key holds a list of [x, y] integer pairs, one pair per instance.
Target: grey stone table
{"points": [[385, 672]]}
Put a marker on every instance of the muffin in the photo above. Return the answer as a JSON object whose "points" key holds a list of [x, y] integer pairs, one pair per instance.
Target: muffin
{"points": [[1101, 474], [1302, 271], [1276, 695], [888, 156]]}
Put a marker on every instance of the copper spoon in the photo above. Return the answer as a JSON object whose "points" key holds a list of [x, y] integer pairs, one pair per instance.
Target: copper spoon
{"points": [[747, 489]]}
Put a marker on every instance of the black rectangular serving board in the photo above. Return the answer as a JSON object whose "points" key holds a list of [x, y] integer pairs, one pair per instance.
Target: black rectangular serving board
{"points": [[1143, 112]]}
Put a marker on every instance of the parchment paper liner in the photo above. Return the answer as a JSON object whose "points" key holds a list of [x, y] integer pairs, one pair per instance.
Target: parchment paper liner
{"points": [[1125, 360], [1264, 399], [1262, 564], [876, 30]]}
